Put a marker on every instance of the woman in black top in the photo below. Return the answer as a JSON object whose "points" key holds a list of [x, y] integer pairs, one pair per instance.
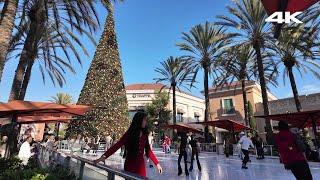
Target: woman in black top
{"points": [[195, 152], [183, 153]]}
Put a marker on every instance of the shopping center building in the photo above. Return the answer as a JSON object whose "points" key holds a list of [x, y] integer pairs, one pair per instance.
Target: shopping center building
{"points": [[190, 108]]}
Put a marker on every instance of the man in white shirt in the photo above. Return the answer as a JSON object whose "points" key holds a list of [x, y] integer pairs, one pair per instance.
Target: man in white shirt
{"points": [[245, 144], [25, 151]]}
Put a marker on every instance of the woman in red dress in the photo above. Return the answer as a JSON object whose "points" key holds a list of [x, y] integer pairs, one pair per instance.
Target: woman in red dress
{"points": [[136, 145]]}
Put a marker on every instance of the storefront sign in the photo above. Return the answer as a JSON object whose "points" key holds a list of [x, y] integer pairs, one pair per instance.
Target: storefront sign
{"points": [[141, 96]]}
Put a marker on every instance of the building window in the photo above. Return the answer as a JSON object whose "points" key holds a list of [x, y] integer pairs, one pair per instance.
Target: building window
{"points": [[180, 117], [228, 107], [196, 116]]}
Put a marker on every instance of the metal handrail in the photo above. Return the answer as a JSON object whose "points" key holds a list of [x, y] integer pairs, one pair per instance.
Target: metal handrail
{"points": [[111, 172]]}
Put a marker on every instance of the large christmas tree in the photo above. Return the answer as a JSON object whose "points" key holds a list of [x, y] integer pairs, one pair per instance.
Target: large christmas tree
{"points": [[104, 89]]}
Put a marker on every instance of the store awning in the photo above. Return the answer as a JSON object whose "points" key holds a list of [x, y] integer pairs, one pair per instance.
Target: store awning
{"points": [[180, 111], [197, 114], [297, 119], [226, 124], [28, 108], [182, 127]]}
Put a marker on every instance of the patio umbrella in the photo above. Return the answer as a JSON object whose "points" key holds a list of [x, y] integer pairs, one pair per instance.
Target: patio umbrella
{"points": [[182, 127], [298, 119], [30, 108], [37, 112], [230, 125], [226, 124]]}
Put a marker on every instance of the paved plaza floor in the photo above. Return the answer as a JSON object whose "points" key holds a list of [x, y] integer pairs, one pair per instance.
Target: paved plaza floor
{"points": [[215, 167]]}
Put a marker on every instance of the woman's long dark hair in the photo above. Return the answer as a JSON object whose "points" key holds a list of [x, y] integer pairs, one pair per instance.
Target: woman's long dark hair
{"points": [[132, 146]]}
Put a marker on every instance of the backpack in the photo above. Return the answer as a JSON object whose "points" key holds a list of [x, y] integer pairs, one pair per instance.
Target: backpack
{"points": [[300, 143]]}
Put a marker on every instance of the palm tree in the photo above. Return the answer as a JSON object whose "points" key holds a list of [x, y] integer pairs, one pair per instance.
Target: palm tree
{"points": [[175, 72], [104, 88], [247, 18], [240, 64], [205, 42], [39, 37], [34, 17], [297, 49], [7, 18], [60, 98]]}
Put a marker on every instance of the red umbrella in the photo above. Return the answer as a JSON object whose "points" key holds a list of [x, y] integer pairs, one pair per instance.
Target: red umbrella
{"points": [[182, 127], [30, 108], [292, 6], [226, 124], [298, 119]]}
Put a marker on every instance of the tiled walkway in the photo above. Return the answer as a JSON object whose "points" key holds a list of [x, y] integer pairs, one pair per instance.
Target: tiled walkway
{"points": [[217, 168]]}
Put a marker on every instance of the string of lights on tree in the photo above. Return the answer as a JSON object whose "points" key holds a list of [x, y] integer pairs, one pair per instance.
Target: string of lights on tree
{"points": [[104, 90]]}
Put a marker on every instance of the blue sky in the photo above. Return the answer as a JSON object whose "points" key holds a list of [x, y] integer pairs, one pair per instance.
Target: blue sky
{"points": [[147, 32]]}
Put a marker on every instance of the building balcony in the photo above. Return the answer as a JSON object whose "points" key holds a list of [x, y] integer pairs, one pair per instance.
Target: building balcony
{"points": [[228, 111]]}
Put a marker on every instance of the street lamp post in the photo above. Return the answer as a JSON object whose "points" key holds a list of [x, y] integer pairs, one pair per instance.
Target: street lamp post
{"points": [[156, 123]]}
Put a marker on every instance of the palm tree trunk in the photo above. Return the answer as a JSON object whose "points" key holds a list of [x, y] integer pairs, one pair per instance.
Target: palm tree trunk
{"points": [[174, 105], [263, 85], [294, 89], [56, 128], [26, 79], [206, 96], [245, 101], [28, 53], [6, 26]]}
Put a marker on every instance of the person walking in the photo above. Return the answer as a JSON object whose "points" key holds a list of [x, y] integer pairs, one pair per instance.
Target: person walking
{"points": [[259, 147], [183, 152], [195, 152], [136, 145], [245, 143], [77, 144], [108, 142], [240, 154], [95, 147], [290, 154], [227, 146], [168, 144], [189, 148]]}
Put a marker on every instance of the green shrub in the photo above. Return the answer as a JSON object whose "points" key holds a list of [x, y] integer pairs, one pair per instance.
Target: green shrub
{"points": [[12, 169], [12, 163]]}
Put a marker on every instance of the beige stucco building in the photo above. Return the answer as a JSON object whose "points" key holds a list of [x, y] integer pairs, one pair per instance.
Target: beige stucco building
{"points": [[189, 107], [226, 102]]}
